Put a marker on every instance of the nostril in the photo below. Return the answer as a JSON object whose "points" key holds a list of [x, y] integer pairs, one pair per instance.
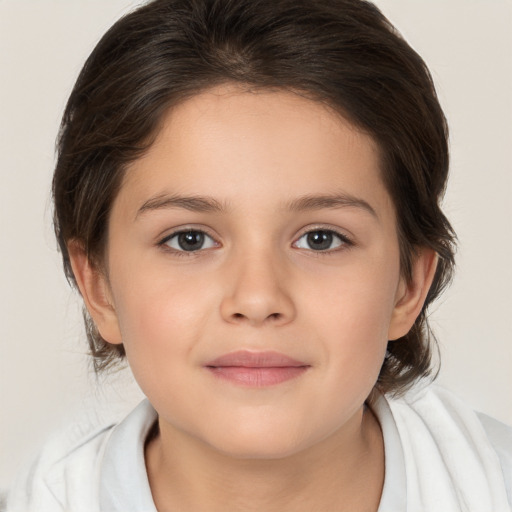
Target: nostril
{"points": [[272, 316]]}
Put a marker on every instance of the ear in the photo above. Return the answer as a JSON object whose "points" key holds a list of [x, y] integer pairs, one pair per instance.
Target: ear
{"points": [[411, 295], [95, 290]]}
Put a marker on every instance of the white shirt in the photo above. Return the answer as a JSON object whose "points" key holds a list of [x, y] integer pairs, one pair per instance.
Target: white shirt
{"points": [[439, 457]]}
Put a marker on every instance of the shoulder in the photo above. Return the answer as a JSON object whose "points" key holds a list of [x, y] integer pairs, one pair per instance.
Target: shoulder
{"points": [[88, 467], [63, 473], [445, 407], [469, 443], [500, 437]]}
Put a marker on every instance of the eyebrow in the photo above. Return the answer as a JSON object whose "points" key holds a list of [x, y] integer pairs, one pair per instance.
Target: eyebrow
{"points": [[192, 203], [205, 204], [320, 202]]}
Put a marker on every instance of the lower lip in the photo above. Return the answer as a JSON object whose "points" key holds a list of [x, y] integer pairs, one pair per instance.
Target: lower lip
{"points": [[257, 377]]}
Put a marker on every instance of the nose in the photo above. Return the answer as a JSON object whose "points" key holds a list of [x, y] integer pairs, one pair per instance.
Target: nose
{"points": [[257, 292]]}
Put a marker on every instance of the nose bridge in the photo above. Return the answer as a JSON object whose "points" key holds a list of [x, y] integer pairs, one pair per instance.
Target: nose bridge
{"points": [[257, 290]]}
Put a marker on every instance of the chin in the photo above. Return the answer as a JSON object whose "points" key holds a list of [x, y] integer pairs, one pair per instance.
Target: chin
{"points": [[264, 444], [259, 451]]}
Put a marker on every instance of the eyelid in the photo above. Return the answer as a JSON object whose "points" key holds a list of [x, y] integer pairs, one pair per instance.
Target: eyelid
{"points": [[162, 240], [346, 239]]}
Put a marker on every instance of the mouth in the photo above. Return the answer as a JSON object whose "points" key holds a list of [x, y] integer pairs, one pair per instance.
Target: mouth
{"points": [[256, 369]]}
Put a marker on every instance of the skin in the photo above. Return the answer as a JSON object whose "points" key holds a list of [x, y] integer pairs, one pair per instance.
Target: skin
{"points": [[305, 444]]}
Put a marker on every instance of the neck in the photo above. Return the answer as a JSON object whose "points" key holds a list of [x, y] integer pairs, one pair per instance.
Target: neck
{"points": [[343, 472]]}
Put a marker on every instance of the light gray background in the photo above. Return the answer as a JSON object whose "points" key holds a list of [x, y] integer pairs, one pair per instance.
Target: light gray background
{"points": [[44, 378]]}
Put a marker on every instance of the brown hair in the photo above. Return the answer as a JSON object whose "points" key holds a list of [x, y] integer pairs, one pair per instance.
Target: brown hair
{"points": [[343, 53]]}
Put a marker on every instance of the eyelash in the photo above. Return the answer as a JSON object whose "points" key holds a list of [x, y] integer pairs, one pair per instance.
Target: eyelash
{"points": [[163, 244], [344, 241]]}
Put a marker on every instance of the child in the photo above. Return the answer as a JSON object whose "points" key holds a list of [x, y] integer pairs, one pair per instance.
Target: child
{"points": [[247, 197]]}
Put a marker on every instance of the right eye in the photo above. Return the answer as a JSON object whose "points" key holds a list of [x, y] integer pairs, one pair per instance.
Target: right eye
{"points": [[189, 240]]}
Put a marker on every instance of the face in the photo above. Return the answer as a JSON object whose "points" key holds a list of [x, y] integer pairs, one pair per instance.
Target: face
{"points": [[253, 271]]}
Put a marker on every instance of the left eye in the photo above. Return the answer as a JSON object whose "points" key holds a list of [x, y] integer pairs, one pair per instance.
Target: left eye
{"points": [[321, 240], [189, 241]]}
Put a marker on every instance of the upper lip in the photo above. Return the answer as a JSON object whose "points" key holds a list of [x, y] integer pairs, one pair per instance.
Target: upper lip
{"points": [[248, 359]]}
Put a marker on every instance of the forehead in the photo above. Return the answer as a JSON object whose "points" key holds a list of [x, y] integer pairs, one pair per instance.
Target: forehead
{"points": [[259, 145]]}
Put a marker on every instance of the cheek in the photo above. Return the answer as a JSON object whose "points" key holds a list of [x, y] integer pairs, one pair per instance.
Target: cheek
{"points": [[160, 319], [352, 311], [356, 299]]}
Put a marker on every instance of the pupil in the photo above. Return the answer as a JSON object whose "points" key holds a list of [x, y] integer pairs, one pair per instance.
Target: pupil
{"points": [[320, 240], [191, 241]]}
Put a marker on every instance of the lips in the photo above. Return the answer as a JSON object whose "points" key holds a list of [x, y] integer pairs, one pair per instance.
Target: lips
{"points": [[256, 369]]}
